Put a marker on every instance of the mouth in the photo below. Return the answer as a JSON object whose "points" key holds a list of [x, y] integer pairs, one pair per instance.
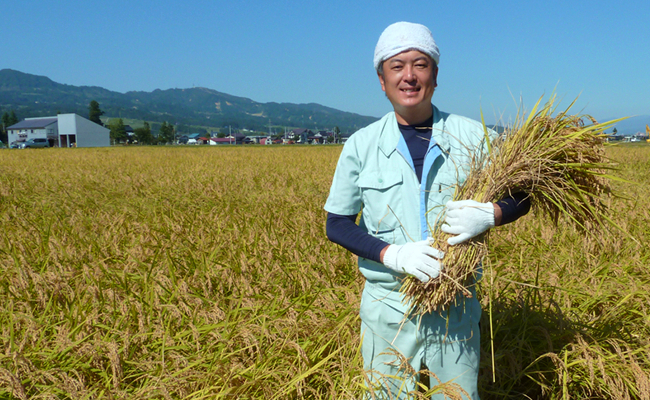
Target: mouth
{"points": [[410, 90]]}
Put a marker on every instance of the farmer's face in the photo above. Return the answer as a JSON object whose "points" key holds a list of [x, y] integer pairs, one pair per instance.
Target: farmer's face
{"points": [[409, 80]]}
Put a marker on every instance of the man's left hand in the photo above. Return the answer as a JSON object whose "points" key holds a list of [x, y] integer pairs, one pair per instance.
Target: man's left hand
{"points": [[467, 219]]}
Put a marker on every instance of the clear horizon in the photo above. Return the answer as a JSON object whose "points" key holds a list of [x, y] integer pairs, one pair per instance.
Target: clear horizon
{"points": [[494, 56]]}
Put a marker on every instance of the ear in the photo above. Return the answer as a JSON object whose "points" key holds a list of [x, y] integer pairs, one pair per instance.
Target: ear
{"points": [[381, 81], [435, 77]]}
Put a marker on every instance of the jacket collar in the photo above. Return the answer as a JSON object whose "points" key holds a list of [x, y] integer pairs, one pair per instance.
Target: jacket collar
{"points": [[390, 134], [439, 132]]}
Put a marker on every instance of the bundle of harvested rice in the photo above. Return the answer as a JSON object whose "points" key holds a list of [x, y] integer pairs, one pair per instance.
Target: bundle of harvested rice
{"points": [[557, 160]]}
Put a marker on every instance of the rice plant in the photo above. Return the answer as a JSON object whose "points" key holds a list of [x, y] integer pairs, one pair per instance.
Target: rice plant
{"points": [[191, 273], [553, 157]]}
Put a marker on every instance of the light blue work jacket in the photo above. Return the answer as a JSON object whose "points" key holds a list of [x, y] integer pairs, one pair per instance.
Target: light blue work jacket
{"points": [[375, 175]]}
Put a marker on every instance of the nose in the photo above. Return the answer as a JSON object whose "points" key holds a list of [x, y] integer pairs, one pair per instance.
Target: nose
{"points": [[409, 73]]}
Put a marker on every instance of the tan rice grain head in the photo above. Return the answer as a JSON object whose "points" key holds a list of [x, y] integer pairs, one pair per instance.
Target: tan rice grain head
{"points": [[557, 160]]}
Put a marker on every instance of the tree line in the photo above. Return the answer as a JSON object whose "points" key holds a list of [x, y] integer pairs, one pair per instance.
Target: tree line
{"points": [[141, 135], [8, 119]]}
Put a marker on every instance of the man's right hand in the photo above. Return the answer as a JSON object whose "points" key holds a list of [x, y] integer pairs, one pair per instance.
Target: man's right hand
{"points": [[418, 259]]}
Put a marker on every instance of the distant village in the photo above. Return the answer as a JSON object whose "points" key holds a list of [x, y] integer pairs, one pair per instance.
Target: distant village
{"points": [[72, 130], [637, 137], [294, 136]]}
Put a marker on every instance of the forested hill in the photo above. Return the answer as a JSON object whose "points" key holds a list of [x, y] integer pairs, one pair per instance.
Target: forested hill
{"points": [[34, 96]]}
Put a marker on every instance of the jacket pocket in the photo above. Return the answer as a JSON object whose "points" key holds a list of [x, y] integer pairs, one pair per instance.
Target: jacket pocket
{"points": [[381, 193]]}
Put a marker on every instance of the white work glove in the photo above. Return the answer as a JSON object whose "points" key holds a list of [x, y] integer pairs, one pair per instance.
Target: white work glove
{"points": [[466, 219], [418, 259]]}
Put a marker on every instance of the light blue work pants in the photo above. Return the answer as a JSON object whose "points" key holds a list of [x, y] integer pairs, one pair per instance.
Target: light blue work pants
{"points": [[450, 351]]}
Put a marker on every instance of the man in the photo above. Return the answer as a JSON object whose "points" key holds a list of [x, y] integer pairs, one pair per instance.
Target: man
{"points": [[400, 172]]}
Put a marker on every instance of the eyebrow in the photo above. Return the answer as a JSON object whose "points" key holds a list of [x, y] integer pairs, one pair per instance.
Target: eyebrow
{"points": [[419, 58]]}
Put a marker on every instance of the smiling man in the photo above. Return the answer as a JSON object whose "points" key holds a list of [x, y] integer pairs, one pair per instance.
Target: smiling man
{"points": [[409, 79], [400, 173]]}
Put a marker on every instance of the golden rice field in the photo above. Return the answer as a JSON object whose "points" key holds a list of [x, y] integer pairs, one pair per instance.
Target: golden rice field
{"points": [[205, 273]]}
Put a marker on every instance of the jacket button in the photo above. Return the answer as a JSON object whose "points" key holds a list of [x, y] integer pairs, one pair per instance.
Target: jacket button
{"points": [[380, 180]]}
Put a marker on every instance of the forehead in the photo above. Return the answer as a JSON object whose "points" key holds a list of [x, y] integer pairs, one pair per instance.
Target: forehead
{"points": [[409, 55]]}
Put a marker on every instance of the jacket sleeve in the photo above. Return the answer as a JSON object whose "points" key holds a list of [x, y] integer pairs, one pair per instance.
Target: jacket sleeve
{"points": [[342, 230]]}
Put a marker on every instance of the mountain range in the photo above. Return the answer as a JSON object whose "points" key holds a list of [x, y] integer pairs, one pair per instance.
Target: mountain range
{"points": [[189, 109], [34, 96], [632, 125]]}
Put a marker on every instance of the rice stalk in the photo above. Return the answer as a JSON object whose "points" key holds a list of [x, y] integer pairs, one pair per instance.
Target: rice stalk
{"points": [[559, 161]]}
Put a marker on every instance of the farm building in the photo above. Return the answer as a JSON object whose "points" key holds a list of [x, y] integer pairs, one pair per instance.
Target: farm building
{"points": [[63, 130], [232, 139]]}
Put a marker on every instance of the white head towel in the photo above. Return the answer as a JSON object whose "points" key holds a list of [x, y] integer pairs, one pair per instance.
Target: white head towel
{"points": [[402, 36]]}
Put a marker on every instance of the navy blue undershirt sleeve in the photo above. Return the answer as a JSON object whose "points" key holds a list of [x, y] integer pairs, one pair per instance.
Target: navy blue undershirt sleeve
{"points": [[343, 230], [513, 207]]}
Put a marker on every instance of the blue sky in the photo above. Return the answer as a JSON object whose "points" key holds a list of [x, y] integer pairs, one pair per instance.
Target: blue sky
{"points": [[493, 53]]}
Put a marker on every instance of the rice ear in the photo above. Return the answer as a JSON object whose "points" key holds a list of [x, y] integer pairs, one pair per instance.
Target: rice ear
{"points": [[557, 160]]}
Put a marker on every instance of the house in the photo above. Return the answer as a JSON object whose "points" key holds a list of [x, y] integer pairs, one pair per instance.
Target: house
{"points": [[326, 136], [317, 138], [64, 130], [34, 128], [236, 138], [614, 138], [270, 140], [223, 141], [128, 129], [300, 135], [193, 138], [256, 139]]}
